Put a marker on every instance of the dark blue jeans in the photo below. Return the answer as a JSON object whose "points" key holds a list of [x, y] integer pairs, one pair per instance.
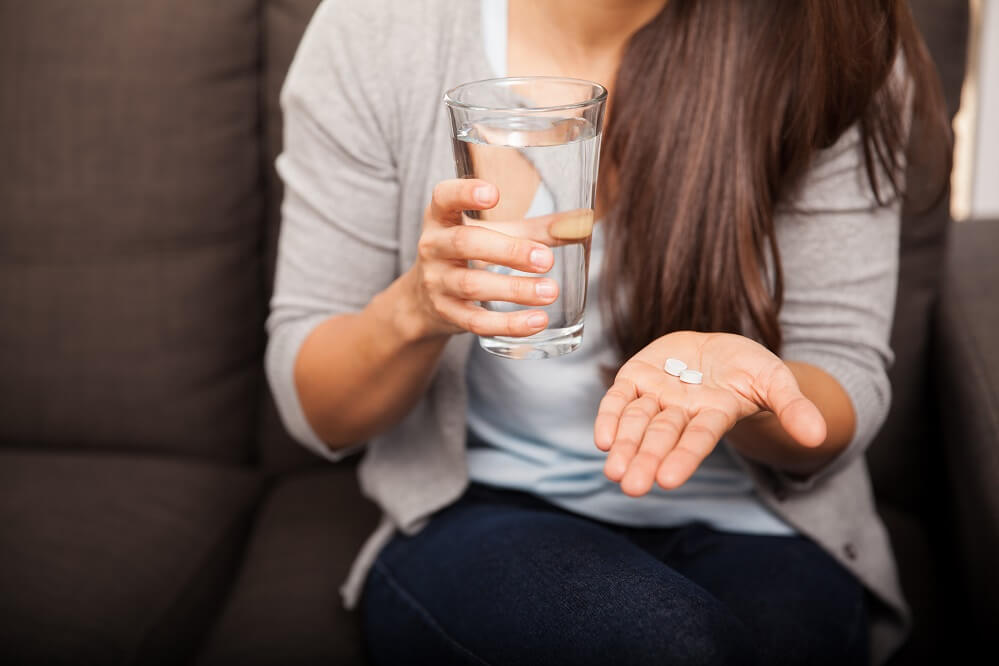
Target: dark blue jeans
{"points": [[502, 577]]}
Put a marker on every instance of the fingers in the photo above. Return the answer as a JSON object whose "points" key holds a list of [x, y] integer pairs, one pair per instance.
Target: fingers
{"points": [[478, 285], [571, 226], [451, 197], [699, 438], [485, 322], [465, 243], [798, 415], [660, 437], [618, 397], [609, 413], [634, 420]]}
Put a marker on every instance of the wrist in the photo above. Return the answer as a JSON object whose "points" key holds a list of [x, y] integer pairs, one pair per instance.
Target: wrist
{"points": [[400, 312]]}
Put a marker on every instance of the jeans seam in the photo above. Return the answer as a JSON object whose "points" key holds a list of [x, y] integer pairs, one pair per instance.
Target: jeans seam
{"points": [[432, 622]]}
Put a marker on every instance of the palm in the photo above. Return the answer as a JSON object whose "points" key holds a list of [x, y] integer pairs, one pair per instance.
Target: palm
{"points": [[657, 428]]}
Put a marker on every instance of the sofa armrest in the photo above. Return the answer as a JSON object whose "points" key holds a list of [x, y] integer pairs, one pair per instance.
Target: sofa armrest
{"points": [[965, 365]]}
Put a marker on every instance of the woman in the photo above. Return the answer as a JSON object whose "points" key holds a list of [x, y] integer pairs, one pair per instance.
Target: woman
{"points": [[749, 206]]}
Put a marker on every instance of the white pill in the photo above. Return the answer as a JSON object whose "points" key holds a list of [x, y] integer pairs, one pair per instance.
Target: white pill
{"points": [[675, 366], [691, 377]]}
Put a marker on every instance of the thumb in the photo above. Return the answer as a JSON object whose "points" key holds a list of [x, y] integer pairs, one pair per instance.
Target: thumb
{"points": [[798, 415]]}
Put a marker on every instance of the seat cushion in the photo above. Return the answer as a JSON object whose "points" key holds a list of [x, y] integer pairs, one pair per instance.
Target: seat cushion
{"points": [[131, 280], [285, 607], [114, 560]]}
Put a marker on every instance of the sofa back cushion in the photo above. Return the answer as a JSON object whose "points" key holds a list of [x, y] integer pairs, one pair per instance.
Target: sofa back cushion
{"points": [[131, 286], [902, 455]]}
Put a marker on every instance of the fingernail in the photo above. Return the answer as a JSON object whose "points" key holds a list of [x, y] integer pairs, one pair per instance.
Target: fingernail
{"points": [[572, 225], [536, 320], [545, 289], [483, 194], [539, 258]]}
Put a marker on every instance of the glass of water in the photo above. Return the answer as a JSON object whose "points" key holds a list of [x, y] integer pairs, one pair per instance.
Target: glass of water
{"points": [[537, 139]]}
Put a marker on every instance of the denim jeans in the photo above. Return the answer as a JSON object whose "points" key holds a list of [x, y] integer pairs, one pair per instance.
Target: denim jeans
{"points": [[502, 577]]}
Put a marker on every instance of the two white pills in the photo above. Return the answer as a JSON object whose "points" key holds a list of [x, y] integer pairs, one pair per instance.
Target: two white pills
{"points": [[678, 368]]}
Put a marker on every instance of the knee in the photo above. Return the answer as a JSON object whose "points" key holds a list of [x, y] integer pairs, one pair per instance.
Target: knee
{"points": [[698, 630], [708, 634]]}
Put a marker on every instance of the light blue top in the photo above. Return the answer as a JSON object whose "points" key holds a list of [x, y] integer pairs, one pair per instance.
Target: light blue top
{"points": [[531, 422]]}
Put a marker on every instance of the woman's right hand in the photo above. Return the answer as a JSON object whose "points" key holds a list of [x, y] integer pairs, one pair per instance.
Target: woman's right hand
{"points": [[444, 288]]}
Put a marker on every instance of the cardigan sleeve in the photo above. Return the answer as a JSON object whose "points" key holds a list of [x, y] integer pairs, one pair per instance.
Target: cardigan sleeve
{"points": [[338, 242], [840, 261], [839, 248]]}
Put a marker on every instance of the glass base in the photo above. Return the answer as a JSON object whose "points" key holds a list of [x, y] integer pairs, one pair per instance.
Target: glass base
{"points": [[549, 343]]}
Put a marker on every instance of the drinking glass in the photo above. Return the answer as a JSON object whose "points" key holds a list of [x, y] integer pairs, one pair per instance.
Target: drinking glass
{"points": [[537, 139]]}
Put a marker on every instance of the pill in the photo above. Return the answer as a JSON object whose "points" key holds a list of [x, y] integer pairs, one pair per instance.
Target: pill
{"points": [[691, 377], [675, 366]]}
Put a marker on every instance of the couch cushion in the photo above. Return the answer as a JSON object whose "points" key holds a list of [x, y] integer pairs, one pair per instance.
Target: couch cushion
{"points": [[285, 606], [966, 358], [901, 457], [114, 560], [131, 303], [917, 571]]}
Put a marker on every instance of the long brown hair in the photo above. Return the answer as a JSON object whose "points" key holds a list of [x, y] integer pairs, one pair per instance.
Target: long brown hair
{"points": [[727, 102]]}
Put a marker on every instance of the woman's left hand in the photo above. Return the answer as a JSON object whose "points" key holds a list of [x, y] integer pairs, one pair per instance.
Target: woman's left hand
{"points": [[659, 429]]}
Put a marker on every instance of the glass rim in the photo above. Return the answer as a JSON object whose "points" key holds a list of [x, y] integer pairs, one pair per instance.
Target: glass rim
{"points": [[450, 99]]}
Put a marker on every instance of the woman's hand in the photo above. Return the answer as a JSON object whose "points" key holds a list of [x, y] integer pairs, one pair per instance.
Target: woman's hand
{"points": [[444, 288], [659, 429]]}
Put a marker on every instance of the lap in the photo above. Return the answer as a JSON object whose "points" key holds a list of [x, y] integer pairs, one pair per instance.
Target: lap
{"points": [[518, 581], [799, 604]]}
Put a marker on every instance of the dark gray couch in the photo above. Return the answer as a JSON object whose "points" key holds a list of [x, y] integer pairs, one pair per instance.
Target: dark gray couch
{"points": [[152, 510]]}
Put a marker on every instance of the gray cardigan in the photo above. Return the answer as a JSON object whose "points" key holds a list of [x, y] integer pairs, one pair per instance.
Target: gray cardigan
{"points": [[366, 138]]}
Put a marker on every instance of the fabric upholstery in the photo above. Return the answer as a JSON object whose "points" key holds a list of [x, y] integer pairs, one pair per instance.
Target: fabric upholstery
{"points": [[966, 359], [282, 23], [922, 585], [114, 559], [130, 307], [944, 25], [901, 456], [285, 606]]}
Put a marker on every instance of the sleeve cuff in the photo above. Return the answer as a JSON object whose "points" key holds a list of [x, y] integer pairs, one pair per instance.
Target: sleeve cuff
{"points": [[870, 394], [282, 350]]}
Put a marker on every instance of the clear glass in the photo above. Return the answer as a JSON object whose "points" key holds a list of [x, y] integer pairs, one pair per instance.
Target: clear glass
{"points": [[538, 140]]}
